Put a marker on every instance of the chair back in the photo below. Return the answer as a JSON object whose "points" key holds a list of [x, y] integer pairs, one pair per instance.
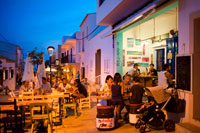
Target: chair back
{"points": [[44, 107], [29, 95], [8, 109]]}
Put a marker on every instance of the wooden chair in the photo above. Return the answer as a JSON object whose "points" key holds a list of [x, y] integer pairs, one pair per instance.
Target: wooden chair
{"points": [[69, 104], [28, 94], [43, 115], [85, 102], [9, 116]]}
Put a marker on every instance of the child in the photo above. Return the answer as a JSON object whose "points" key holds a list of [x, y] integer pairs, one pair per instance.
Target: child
{"points": [[136, 91], [117, 92]]}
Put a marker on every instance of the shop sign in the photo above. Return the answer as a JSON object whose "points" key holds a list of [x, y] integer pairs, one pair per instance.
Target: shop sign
{"points": [[143, 64], [132, 57], [130, 42], [137, 42], [145, 59], [134, 53]]}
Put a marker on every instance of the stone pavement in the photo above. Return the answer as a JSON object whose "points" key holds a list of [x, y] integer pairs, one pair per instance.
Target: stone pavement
{"points": [[86, 123]]}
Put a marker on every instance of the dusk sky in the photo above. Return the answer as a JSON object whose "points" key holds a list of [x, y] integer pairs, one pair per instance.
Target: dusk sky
{"points": [[41, 23]]}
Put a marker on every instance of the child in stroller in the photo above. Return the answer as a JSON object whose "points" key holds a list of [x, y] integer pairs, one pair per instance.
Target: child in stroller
{"points": [[151, 112]]}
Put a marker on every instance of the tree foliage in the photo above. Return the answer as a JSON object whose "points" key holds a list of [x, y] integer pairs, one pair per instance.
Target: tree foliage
{"points": [[37, 58]]}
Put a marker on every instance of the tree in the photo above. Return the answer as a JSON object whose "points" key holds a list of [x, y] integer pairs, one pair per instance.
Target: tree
{"points": [[37, 58]]}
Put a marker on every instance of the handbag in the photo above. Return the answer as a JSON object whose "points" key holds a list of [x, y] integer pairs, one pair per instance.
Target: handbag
{"points": [[176, 105], [180, 105]]}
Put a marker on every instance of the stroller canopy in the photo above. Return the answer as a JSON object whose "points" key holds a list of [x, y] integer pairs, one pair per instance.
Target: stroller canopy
{"points": [[158, 93]]}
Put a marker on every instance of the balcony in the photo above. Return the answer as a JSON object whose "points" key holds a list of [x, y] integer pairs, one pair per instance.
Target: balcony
{"points": [[68, 59]]}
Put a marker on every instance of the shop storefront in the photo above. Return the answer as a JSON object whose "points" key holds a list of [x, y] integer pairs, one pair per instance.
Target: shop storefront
{"points": [[153, 39]]}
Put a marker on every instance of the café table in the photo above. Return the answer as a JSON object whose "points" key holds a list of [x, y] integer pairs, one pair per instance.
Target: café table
{"points": [[147, 80], [60, 96]]}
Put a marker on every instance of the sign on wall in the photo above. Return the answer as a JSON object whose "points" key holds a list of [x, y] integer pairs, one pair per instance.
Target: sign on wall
{"points": [[145, 59], [134, 53], [130, 42], [123, 57], [143, 64]]}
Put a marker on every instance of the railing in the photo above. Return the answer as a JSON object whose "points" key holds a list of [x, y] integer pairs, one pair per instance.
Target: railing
{"points": [[68, 59]]}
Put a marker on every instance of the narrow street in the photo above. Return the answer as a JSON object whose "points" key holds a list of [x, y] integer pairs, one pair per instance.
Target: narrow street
{"points": [[86, 123]]}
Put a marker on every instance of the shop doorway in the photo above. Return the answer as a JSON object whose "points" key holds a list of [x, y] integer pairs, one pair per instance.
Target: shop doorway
{"points": [[82, 72], [160, 59], [98, 67]]}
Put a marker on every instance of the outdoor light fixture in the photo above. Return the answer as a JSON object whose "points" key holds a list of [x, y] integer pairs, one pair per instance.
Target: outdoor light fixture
{"points": [[50, 50]]}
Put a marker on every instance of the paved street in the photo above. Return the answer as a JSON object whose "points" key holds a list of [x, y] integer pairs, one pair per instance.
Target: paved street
{"points": [[85, 123]]}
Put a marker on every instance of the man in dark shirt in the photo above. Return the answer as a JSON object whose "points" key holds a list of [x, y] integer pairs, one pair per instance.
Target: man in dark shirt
{"points": [[152, 71], [81, 88], [136, 92]]}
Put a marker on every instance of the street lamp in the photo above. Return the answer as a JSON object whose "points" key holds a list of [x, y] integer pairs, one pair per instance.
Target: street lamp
{"points": [[50, 52]]}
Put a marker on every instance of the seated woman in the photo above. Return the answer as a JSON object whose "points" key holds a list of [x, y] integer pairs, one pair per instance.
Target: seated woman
{"points": [[24, 87], [105, 90], [136, 92]]}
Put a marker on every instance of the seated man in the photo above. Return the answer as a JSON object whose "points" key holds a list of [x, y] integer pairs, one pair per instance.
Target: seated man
{"points": [[136, 92], [79, 90], [46, 87], [152, 70], [64, 86], [165, 79]]}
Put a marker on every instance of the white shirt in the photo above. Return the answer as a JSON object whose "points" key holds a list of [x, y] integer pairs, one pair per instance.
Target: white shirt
{"points": [[66, 87], [131, 71], [105, 88], [46, 87], [162, 79]]}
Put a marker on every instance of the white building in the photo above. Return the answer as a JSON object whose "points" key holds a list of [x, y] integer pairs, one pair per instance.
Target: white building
{"points": [[11, 64], [156, 32], [98, 50]]}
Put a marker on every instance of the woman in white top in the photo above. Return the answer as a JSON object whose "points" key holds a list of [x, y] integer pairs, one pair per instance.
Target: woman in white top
{"points": [[105, 90], [165, 79]]}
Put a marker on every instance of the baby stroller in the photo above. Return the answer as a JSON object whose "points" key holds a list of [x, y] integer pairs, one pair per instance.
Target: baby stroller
{"points": [[152, 114]]}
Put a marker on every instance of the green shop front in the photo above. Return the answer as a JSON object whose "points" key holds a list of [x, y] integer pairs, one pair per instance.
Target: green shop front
{"points": [[152, 39]]}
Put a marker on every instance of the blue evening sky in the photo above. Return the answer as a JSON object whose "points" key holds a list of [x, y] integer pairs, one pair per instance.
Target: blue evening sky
{"points": [[41, 23]]}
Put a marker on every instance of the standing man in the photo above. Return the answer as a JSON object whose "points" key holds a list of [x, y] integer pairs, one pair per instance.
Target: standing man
{"points": [[78, 75], [165, 79]]}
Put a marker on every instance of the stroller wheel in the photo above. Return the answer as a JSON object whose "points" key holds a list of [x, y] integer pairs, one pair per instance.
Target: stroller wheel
{"points": [[142, 128], [137, 125], [169, 126]]}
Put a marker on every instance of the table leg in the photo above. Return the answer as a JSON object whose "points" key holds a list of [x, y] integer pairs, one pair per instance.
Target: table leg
{"points": [[60, 110]]}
